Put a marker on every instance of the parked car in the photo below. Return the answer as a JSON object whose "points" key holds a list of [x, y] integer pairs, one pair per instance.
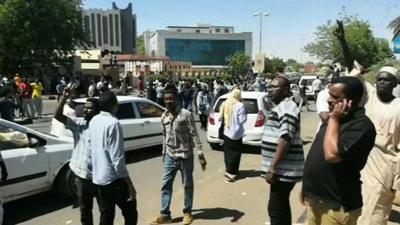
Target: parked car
{"points": [[140, 120], [308, 80], [35, 162], [255, 104]]}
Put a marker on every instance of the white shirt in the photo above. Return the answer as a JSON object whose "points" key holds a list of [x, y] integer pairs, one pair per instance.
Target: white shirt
{"points": [[322, 104], [316, 85], [239, 117]]}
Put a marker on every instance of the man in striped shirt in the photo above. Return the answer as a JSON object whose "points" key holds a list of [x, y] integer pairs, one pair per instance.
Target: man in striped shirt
{"points": [[282, 150]]}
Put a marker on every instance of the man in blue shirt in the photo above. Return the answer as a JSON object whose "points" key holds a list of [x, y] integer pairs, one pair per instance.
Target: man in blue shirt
{"points": [[109, 169], [81, 162]]}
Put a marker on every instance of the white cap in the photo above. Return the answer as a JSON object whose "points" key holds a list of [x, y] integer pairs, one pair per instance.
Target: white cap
{"points": [[390, 70]]}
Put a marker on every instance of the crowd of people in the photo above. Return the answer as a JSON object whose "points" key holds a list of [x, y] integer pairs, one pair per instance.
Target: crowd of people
{"points": [[350, 175]]}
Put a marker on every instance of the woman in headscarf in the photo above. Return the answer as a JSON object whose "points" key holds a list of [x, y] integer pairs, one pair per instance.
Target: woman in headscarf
{"points": [[234, 116]]}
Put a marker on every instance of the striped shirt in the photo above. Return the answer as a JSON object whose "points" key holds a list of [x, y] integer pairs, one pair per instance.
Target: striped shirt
{"points": [[283, 119]]}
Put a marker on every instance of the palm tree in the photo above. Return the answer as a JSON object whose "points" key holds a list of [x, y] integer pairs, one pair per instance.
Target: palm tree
{"points": [[395, 26]]}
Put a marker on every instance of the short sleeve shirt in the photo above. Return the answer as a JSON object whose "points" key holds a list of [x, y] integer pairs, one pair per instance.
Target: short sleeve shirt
{"points": [[283, 119], [338, 184]]}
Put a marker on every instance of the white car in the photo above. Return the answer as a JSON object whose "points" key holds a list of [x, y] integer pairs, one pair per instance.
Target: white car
{"points": [[140, 120], [255, 104], [35, 162], [308, 80]]}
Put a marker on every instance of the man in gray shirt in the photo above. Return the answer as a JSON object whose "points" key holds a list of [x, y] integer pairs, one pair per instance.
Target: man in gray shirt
{"points": [[180, 137], [109, 169]]}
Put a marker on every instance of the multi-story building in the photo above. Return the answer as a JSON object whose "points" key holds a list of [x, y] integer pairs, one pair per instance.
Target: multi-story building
{"points": [[202, 45], [113, 29]]}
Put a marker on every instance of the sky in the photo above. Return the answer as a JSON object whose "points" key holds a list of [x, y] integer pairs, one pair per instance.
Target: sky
{"points": [[290, 25]]}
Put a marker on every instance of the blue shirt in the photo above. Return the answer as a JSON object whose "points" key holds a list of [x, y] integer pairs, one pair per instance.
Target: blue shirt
{"points": [[108, 155], [81, 159]]}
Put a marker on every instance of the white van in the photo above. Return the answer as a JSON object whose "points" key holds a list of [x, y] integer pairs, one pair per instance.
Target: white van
{"points": [[308, 80]]}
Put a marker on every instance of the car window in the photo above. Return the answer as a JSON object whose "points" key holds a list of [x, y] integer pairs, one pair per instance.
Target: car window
{"points": [[125, 111], [10, 139], [250, 105], [147, 110]]}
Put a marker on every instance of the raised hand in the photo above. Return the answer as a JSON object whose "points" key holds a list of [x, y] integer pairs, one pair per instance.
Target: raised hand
{"points": [[339, 31]]}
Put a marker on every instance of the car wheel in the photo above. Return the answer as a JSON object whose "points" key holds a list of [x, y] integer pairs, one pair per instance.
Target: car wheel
{"points": [[216, 146], [65, 184]]}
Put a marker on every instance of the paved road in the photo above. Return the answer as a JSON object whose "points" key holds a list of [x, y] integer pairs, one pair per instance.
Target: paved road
{"points": [[215, 201]]}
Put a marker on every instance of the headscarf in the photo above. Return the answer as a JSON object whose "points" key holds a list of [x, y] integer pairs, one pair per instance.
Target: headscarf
{"points": [[228, 106]]}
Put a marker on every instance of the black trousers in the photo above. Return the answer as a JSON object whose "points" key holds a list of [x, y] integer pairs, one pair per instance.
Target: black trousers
{"points": [[116, 193], [86, 191], [203, 120], [232, 155], [278, 205]]}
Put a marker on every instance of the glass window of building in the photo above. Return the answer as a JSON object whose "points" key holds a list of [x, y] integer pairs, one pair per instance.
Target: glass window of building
{"points": [[93, 25], [226, 30], [105, 29], [111, 19], [197, 31], [217, 30], [99, 33], [202, 52]]}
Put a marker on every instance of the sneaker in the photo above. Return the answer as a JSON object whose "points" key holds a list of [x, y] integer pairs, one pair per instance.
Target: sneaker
{"points": [[229, 177], [161, 219], [187, 218]]}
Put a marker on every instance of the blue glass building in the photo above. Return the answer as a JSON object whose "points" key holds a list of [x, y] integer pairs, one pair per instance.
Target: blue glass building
{"points": [[202, 52]]}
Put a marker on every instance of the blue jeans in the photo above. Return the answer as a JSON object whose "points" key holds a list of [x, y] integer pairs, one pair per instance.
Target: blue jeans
{"points": [[171, 167]]}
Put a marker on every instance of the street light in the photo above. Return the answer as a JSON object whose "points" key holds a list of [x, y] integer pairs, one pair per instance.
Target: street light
{"points": [[261, 16]]}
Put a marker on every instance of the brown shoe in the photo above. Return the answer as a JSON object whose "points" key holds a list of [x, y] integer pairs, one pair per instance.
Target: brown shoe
{"points": [[187, 218], [161, 219]]}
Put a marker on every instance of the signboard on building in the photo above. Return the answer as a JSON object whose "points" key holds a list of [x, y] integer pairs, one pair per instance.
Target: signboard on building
{"points": [[396, 45], [259, 63]]}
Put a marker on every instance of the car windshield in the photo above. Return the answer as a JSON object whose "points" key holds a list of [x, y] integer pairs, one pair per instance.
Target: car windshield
{"points": [[249, 104]]}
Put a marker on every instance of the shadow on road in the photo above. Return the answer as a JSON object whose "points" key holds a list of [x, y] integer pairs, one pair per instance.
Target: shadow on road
{"points": [[143, 154], [25, 209], [214, 214], [243, 174]]}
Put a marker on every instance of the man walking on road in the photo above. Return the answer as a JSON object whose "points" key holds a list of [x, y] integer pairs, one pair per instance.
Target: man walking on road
{"points": [[316, 87], [180, 137], [81, 160], [282, 150], [109, 169]]}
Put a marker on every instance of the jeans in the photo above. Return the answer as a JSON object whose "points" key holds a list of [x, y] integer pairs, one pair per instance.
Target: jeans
{"points": [[171, 166], [116, 193], [38, 105], [86, 191], [278, 205]]}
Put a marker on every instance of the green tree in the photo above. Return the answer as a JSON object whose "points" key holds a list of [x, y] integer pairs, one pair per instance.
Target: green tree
{"points": [[364, 46], [274, 65], [238, 63], [140, 45], [294, 65], [395, 26], [39, 33]]}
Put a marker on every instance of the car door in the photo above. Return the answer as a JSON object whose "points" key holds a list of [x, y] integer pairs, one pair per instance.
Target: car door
{"points": [[150, 119], [26, 160], [131, 126]]}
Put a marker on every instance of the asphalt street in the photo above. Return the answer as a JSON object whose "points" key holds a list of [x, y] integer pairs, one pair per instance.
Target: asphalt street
{"points": [[216, 202]]}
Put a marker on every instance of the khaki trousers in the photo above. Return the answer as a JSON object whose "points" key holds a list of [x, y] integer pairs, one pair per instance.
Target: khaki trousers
{"points": [[318, 213], [381, 179]]}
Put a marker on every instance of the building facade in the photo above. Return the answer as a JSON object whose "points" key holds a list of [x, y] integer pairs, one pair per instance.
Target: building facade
{"points": [[113, 29], [202, 45]]}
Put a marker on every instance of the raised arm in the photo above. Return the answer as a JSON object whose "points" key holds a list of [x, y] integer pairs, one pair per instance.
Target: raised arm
{"points": [[340, 34]]}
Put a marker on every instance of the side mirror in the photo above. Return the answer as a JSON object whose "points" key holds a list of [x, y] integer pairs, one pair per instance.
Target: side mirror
{"points": [[36, 141]]}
